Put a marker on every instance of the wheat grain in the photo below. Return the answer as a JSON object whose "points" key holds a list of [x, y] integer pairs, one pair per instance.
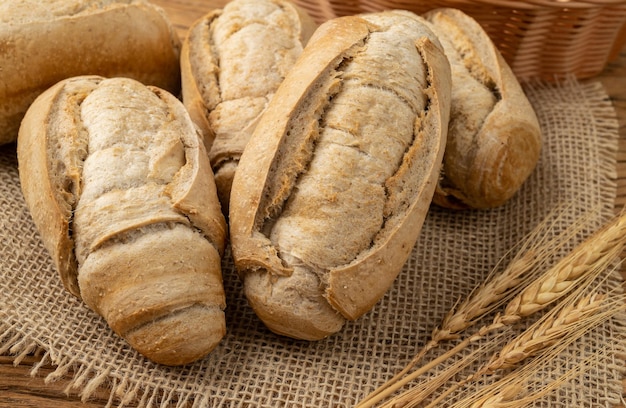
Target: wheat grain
{"points": [[501, 398]]}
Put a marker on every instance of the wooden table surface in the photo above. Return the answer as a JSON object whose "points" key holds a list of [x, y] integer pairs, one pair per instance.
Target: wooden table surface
{"points": [[19, 389]]}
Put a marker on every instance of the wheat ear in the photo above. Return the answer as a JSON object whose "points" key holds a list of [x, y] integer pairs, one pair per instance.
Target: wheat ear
{"points": [[584, 263], [534, 252], [532, 255], [571, 322], [570, 312], [552, 333]]}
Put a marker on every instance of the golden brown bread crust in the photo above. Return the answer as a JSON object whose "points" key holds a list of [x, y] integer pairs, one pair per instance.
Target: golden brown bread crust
{"points": [[331, 192], [232, 61], [494, 138], [45, 42], [120, 188]]}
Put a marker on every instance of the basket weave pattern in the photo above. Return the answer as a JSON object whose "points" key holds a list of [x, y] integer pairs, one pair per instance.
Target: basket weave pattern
{"points": [[538, 38]]}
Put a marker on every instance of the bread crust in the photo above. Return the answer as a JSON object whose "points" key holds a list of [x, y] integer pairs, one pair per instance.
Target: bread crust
{"points": [[494, 138], [295, 295], [41, 45], [132, 222], [232, 61]]}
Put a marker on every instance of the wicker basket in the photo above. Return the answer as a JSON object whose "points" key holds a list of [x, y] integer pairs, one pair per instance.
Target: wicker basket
{"points": [[539, 38]]}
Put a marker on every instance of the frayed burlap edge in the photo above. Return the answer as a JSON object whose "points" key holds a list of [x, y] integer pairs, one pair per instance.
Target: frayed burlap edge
{"points": [[84, 380]]}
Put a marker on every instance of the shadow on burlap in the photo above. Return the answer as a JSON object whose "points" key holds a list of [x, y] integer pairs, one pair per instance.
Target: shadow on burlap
{"points": [[255, 368]]}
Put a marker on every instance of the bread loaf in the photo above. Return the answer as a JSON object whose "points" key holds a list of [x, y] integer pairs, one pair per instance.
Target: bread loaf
{"points": [[120, 188], [43, 42], [334, 185], [232, 61], [494, 138]]}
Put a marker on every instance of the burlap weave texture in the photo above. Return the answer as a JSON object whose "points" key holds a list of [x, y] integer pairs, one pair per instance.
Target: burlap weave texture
{"points": [[255, 368]]}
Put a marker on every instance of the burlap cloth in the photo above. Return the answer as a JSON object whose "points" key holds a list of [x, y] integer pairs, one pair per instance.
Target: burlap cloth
{"points": [[255, 368]]}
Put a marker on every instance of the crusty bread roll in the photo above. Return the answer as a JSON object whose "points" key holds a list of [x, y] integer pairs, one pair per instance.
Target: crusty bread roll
{"points": [[43, 42], [120, 188], [332, 189], [232, 61], [494, 138]]}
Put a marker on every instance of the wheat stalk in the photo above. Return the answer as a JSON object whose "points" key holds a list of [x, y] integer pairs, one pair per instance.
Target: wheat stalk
{"points": [[532, 253], [551, 334], [417, 393], [582, 265], [508, 391]]}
